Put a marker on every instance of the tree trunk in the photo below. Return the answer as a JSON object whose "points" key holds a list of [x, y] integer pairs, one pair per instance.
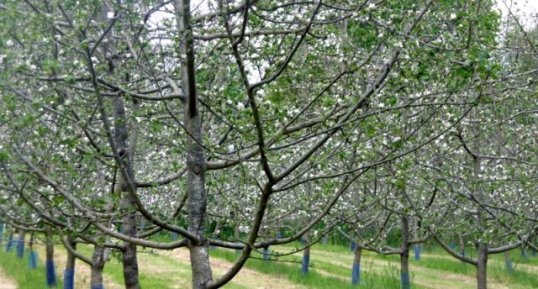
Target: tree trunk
{"points": [[306, 254], [20, 244], [32, 257], [417, 246], [69, 272], [482, 260], [265, 253], [481, 268], [508, 262], [124, 185], [1, 232], [196, 163], [404, 255], [49, 260], [201, 269], [462, 244], [356, 267], [98, 263], [129, 257], [9, 243], [523, 252]]}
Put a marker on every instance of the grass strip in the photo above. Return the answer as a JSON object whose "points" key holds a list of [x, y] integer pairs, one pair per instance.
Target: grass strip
{"points": [[19, 271]]}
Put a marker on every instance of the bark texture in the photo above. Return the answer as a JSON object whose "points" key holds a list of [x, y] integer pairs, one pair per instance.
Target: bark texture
{"points": [[124, 185], [306, 253], [69, 272], [404, 255], [98, 263], [481, 268], [356, 267], [49, 260], [196, 163]]}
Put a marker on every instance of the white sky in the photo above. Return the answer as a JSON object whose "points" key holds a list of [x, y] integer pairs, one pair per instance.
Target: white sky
{"points": [[526, 9]]}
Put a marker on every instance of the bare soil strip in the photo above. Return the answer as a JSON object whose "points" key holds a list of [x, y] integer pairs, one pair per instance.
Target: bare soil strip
{"points": [[82, 270], [426, 277], [6, 281], [246, 277]]}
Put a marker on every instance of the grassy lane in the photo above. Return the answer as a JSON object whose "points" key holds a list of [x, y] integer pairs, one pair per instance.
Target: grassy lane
{"points": [[82, 270], [171, 270], [340, 262], [330, 269], [246, 278], [430, 271], [524, 275], [321, 276], [163, 270], [529, 264], [15, 274], [154, 272]]}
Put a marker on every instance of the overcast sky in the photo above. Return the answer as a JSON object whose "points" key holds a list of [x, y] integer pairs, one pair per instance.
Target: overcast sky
{"points": [[527, 9]]}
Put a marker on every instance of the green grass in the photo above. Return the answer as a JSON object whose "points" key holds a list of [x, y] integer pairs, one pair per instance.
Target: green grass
{"points": [[496, 268], [178, 272], [521, 277], [325, 273], [333, 277], [114, 270], [435, 258], [447, 265], [290, 272], [25, 277]]}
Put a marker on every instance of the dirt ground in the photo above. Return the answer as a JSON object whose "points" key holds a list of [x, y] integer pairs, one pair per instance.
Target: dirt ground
{"points": [[6, 282], [246, 277], [426, 277], [82, 271], [175, 268]]}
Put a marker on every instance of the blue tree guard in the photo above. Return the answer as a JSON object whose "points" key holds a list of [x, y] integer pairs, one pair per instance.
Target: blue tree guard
{"points": [[305, 264], [69, 278], [352, 246], [100, 286], [51, 273], [356, 274], [9, 243], [1, 232], [509, 265], [417, 248], [523, 254], [405, 281], [533, 252], [32, 259], [20, 247], [279, 234], [462, 252], [266, 253]]}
